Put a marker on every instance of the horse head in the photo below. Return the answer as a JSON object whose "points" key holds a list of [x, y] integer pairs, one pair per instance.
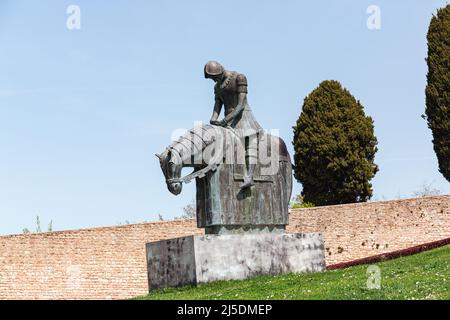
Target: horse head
{"points": [[171, 165], [200, 148]]}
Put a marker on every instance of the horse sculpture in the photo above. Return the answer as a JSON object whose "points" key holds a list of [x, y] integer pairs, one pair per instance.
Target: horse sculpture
{"points": [[219, 161]]}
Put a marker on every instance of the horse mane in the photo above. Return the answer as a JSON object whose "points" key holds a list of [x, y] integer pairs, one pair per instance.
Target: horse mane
{"points": [[195, 140]]}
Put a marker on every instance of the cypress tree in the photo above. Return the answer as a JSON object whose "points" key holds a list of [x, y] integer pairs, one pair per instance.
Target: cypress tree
{"points": [[335, 147], [438, 88]]}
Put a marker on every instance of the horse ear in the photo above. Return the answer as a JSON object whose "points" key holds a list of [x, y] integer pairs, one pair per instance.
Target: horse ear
{"points": [[158, 156]]}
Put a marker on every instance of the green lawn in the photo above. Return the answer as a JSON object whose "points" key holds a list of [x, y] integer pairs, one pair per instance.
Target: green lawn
{"points": [[422, 276]]}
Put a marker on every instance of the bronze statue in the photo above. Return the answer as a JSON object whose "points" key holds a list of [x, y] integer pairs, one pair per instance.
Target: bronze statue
{"points": [[243, 177], [243, 174]]}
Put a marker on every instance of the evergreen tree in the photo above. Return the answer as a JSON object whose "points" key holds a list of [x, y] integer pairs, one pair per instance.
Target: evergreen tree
{"points": [[438, 89], [335, 147]]}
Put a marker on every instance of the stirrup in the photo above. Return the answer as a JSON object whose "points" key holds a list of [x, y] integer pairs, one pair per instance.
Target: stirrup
{"points": [[248, 182]]}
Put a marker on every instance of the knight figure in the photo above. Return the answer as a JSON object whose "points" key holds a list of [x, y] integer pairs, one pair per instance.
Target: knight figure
{"points": [[230, 91]]}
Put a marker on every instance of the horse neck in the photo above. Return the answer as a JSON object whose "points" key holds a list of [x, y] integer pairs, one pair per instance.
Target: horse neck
{"points": [[188, 153], [191, 146]]}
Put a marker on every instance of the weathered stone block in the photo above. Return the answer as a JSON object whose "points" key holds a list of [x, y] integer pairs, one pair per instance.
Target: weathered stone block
{"points": [[200, 259]]}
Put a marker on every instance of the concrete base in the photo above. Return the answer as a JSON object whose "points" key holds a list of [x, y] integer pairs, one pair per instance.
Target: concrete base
{"points": [[200, 259]]}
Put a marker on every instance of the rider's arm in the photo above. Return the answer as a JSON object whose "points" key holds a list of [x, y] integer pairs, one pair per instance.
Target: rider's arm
{"points": [[217, 109], [229, 118], [242, 96]]}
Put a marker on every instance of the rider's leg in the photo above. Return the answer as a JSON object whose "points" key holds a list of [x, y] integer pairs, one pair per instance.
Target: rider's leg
{"points": [[251, 154]]}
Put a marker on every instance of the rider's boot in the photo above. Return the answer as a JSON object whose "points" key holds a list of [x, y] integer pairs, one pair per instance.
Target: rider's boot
{"points": [[248, 178]]}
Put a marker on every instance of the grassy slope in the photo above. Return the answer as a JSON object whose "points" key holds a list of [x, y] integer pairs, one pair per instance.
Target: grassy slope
{"points": [[421, 276]]}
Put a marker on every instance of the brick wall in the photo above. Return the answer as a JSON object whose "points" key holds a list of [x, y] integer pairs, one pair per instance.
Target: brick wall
{"points": [[100, 263], [360, 230], [110, 263]]}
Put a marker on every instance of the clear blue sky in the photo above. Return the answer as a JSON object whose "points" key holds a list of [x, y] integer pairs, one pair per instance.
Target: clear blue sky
{"points": [[82, 112]]}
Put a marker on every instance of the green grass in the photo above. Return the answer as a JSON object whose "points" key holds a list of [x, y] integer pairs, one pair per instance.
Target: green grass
{"points": [[422, 276]]}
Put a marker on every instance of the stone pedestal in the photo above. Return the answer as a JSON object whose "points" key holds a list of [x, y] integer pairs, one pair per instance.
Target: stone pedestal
{"points": [[200, 259]]}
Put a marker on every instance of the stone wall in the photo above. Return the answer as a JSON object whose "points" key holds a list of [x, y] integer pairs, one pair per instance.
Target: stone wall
{"points": [[101, 263], [110, 263], [360, 230]]}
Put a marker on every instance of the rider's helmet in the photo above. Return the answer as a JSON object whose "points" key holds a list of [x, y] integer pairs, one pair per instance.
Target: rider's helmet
{"points": [[213, 68]]}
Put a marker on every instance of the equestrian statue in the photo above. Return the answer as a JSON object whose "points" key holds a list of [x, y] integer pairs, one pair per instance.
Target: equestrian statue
{"points": [[243, 174]]}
